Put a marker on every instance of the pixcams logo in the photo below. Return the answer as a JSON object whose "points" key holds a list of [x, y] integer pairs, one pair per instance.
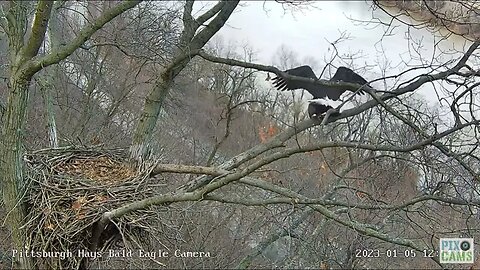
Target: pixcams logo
{"points": [[456, 250]]}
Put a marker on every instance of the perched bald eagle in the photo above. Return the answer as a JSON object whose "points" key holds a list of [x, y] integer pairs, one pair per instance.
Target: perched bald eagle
{"points": [[322, 95]]}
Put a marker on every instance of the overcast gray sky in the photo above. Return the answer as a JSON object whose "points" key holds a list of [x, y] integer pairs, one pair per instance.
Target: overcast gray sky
{"points": [[265, 25]]}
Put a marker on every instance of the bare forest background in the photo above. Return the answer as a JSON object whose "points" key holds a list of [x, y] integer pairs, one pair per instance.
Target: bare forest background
{"points": [[132, 125]]}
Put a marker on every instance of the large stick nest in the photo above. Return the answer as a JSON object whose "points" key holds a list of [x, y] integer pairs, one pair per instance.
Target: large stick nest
{"points": [[69, 192]]}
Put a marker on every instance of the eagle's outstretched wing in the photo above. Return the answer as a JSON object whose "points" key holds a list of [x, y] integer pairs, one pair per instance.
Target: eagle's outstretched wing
{"points": [[317, 91], [283, 84], [345, 74]]}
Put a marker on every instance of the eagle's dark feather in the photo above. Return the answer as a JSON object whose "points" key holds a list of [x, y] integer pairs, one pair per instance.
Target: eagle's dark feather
{"points": [[318, 109], [343, 74], [286, 84]]}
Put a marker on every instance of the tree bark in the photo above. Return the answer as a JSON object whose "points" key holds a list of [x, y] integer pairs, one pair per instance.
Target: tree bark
{"points": [[13, 183], [2, 111]]}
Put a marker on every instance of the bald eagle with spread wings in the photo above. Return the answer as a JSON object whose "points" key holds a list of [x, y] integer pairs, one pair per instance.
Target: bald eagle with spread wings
{"points": [[322, 95]]}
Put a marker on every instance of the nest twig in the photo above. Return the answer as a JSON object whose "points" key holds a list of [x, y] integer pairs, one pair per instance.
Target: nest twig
{"points": [[70, 190]]}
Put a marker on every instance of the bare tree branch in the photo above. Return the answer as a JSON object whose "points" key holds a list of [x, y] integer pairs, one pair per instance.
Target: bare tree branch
{"points": [[39, 27], [210, 13], [205, 34], [293, 200], [175, 168]]}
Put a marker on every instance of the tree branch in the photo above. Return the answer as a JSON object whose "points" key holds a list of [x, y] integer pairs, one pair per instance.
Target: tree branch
{"points": [[39, 27], [210, 13], [215, 25], [175, 168], [187, 12], [289, 200], [189, 26]]}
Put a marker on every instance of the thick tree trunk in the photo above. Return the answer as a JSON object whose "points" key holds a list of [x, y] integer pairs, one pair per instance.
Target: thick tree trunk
{"points": [[13, 182], [140, 148]]}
